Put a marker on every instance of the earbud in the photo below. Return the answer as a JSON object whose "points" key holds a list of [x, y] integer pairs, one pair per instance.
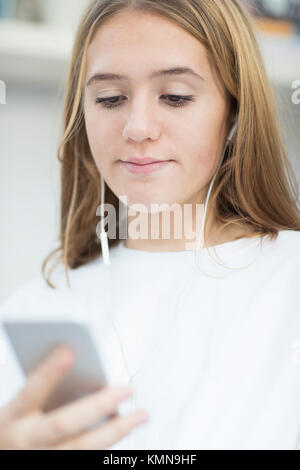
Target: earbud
{"points": [[233, 130], [103, 234]]}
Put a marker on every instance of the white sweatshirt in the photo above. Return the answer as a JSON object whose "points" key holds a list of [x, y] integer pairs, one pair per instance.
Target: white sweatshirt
{"points": [[214, 360]]}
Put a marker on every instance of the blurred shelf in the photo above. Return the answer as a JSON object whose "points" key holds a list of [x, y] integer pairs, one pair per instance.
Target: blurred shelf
{"points": [[281, 56], [34, 53], [40, 54], [270, 25]]}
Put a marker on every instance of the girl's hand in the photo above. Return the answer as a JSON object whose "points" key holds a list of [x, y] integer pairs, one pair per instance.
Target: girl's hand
{"points": [[23, 424]]}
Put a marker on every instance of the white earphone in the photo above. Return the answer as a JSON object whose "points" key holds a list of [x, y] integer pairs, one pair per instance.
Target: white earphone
{"points": [[103, 234], [233, 130], [199, 245]]}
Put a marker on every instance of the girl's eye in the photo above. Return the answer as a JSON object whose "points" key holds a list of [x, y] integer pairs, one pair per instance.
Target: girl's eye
{"points": [[174, 100]]}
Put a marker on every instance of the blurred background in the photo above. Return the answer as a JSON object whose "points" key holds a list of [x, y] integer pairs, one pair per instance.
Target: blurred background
{"points": [[36, 39]]}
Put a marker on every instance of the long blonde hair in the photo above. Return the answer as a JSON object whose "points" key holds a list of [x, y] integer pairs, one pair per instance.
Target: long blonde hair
{"points": [[255, 187]]}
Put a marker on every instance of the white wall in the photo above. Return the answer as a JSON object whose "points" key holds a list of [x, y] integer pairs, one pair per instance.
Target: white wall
{"points": [[33, 64], [29, 182]]}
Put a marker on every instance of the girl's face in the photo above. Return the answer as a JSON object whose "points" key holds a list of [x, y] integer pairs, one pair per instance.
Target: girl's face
{"points": [[145, 118]]}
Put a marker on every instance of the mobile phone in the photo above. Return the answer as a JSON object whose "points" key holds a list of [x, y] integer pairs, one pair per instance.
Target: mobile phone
{"points": [[32, 341]]}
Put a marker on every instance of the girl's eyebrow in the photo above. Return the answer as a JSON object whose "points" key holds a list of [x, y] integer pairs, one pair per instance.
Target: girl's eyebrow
{"points": [[160, 73]]}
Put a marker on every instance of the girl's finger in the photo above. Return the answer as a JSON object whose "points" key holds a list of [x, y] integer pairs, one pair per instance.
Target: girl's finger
{"points": [[107, 435], [41, 382], [75, 417]]}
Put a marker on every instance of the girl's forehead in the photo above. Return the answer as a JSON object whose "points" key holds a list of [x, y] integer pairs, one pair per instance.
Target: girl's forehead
{"points": [[146, 61], [142, 36], [136, 46]]}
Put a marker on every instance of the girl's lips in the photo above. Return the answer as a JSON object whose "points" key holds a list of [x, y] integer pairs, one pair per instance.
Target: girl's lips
{"points": [[144, 169]]}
